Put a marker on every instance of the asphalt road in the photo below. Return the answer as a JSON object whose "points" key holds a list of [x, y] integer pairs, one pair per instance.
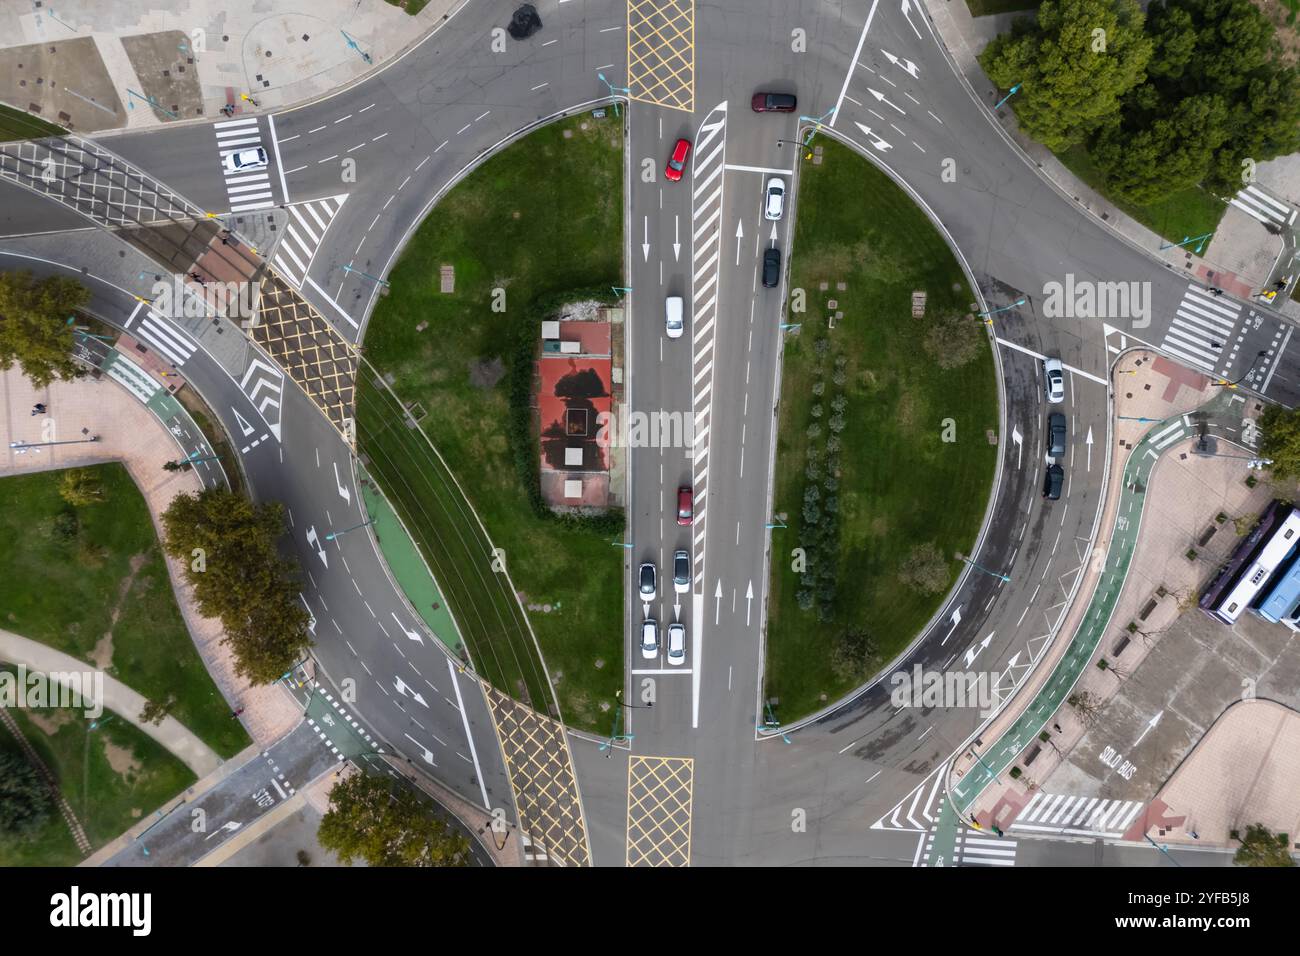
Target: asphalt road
{"points": [[878, 78]]}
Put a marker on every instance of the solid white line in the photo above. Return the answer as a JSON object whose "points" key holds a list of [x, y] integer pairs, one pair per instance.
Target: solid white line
{"points": [[478, 771], [239, 122], [759, 169], [1038, 355], [325, 295], [249, 207], [293, 211], [853, 65]]}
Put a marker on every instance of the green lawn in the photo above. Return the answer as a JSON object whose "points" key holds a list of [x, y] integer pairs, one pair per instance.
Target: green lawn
{"points": [[1188, 212], [216, 436], [71, 592], [112, 777], [899, 483], [410, 6], [19, 124], [542, 217], [984, 8]]}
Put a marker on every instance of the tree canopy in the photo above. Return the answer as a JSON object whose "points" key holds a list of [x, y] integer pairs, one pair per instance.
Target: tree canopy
{"points": [[385, 824], [25, 800], [1280, 440], [228, 545], [1262, 847], [34, 329]]}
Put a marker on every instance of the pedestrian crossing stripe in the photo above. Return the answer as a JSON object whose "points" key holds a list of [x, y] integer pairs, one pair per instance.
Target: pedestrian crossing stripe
{"points": [[973, 848], [1258, 204], [247, 190], [1202, 329], [1077, 815], [302, 236]]}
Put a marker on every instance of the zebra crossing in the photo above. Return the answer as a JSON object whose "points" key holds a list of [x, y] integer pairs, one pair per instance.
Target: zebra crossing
{"points": [[249, 189], [166, 338], [707, 176], [1077, 816], [1258, 204], [302, 236], [1201, 333], [974, 848]]}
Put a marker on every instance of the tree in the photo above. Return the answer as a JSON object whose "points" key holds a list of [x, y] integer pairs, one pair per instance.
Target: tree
{"points": [[82, 486], [154, 711], [925, 569], [1145, 164], [386, 824], [853, 655], [228, 545], [1280, 440], [1262, 847], [25, 799], [1087, 705], [1071, 77], [34, 329], [953, 340]]}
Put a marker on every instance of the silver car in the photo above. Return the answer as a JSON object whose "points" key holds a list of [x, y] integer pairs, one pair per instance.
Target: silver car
{"points": [[1054, 372], [242, 160], [681, 572], [774, 204], [676, 643], [649, 638]]}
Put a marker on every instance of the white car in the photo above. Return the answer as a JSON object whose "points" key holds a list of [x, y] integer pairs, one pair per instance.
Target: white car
{"points": [[681, 572], [774, 204], [676, 643], [674, 324], [242, 160], [646, 583], [649, 638], [1054, 373]]}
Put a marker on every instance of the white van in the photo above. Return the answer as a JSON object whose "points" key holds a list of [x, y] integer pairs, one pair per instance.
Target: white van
{"points": [[673, 321]]}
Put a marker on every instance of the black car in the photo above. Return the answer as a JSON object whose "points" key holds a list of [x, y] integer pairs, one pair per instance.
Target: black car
{"points": [[525, 22], [773, 103], [771, 268], [1056, 435], [1053, 481]]}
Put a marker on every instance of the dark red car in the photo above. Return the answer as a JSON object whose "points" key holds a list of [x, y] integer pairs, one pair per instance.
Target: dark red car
{"points": [[774, 103], [685, 505], [677, 161]]}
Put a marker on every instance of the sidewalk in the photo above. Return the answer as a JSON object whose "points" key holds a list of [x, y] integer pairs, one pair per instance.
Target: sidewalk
{"points": [[131, 64], [130, 433], [118, 698], [1240, 256]]}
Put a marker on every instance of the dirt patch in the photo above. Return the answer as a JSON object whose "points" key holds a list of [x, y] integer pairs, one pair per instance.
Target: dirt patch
{"points": [[1287, 23], [50, 721], [120, 759], [102, 654], [486, 374]]}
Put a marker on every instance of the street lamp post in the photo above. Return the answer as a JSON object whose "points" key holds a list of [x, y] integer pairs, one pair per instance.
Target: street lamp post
{"points": [[46, 444], [1226, 384], [993, 574], [334, 534]]}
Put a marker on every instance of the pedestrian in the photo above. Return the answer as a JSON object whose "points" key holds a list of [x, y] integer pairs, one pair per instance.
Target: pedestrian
{"points": [[1215, 292], [236, 713], [1058, 727], [225, 241]]}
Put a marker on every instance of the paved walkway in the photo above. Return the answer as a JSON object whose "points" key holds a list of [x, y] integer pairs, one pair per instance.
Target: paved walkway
{"points": [[130, 433], [136, 63], [1240, 257], [118, 698]]}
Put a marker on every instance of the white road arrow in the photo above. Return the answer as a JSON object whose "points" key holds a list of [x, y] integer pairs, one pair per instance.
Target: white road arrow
{"points": [[343, 492], [1151, 725], [905, 8], [956, 619], [882, 99], [1088, 440], [311, 626], [773, 235], [677, 612], [974, 650], [749, 595], [405, 691], [424, 751], [244, 427], [1018, 439], [645, 239], [717, 607], [677, 238], [740, 232], [315, 543], [906, 65], [645, 608], [413, 635], [876, 141]]}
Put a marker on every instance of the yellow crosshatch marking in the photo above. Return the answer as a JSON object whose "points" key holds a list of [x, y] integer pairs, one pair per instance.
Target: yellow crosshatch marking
{"points": [[659, 810], [661, 52]]}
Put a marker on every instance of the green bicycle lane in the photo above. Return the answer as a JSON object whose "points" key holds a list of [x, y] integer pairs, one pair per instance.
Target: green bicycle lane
{"points": [[1049, 698]]}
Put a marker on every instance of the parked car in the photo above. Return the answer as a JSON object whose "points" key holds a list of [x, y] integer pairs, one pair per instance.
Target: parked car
{"points": [[1053, 481], [1055, 436], [677, 161], [1054, 372], [774, 205], [681, 572], [649, 588], [771, 268], [685, 505], [773, 103], [676, 643], [242, 160], [673, 322], [649, 638]]}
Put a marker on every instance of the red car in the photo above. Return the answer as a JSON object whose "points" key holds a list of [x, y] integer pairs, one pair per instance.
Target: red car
{"points": [[677, 161], [685, 505]]}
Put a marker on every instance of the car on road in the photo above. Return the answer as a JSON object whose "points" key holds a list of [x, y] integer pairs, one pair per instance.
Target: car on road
{"points": [[1053, 481], [673, 323], [1054, 373], [1055, 436], [774, 204], [685, 505], [525, 22], [676, 643], [771, 268], [773, 103], [242, 160], [681, 572], [648, 585], [677, 161], [649, 638]]}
